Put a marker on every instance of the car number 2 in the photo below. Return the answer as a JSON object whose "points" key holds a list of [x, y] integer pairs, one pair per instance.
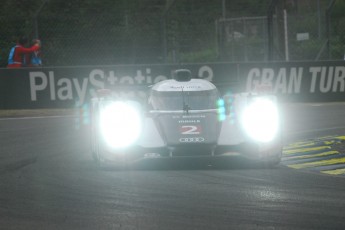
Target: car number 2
{"points": [[190, 130]]}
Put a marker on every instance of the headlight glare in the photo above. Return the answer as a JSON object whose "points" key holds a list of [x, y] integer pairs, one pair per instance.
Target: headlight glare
{"points": [[260, 119], [120, 124]]}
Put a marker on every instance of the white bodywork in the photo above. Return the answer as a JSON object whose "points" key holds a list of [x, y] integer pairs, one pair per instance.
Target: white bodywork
{"points": [[188, 127]]}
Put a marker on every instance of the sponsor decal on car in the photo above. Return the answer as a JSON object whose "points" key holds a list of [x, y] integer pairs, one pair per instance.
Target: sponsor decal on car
{"points": [[189, 121], [191, 116], [192, 139]]}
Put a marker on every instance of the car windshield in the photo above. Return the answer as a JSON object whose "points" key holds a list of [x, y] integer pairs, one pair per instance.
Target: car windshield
{"points": [[195, 100]]}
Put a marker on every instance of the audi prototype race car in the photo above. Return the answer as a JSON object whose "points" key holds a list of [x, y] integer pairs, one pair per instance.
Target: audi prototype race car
{"points": [[185, 117]]}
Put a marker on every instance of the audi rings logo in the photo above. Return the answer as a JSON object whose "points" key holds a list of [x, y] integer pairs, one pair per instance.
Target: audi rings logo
{"points": [[192, 139]]}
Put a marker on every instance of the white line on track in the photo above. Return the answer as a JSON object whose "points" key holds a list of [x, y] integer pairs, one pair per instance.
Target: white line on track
{"points": [[316, 130], [31, 118]]}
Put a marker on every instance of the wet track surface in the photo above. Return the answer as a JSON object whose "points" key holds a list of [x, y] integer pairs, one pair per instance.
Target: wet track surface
{"points": [[48, 181]]}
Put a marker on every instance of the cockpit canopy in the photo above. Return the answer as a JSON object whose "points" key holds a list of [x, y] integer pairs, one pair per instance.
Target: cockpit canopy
{"points": [[177, 100]]}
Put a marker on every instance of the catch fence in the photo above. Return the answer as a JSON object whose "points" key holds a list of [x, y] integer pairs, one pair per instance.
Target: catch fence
{"points": [[175, 31]]}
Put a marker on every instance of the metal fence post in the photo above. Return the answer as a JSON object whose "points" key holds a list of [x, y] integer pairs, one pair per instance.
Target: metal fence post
{"points": [[270, 37], [328, 25], [35, 23]]}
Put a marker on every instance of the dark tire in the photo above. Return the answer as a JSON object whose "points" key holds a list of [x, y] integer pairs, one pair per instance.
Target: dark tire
{"points": [[273, 161], [95, 157], [95, 139]]}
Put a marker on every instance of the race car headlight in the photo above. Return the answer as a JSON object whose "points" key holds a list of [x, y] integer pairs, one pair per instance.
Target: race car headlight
{"points": [[120, 124], [260, 119]]}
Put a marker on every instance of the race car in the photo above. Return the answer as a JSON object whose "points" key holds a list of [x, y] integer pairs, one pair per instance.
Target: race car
{"points": [[185, 117]]}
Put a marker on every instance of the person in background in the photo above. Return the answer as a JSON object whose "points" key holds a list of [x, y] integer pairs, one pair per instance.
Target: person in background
{"points": [[17, 57], [35, 57]]}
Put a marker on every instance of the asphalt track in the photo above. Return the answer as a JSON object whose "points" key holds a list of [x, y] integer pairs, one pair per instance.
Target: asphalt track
{"points": [[47, 181]]}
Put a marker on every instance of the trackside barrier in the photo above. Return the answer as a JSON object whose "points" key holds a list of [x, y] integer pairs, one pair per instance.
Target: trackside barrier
{"points": [[64, 87]]}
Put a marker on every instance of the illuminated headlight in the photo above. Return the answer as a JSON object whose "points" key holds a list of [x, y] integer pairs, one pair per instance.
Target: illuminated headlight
{"points": [[260, 119], [120, 124]]}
